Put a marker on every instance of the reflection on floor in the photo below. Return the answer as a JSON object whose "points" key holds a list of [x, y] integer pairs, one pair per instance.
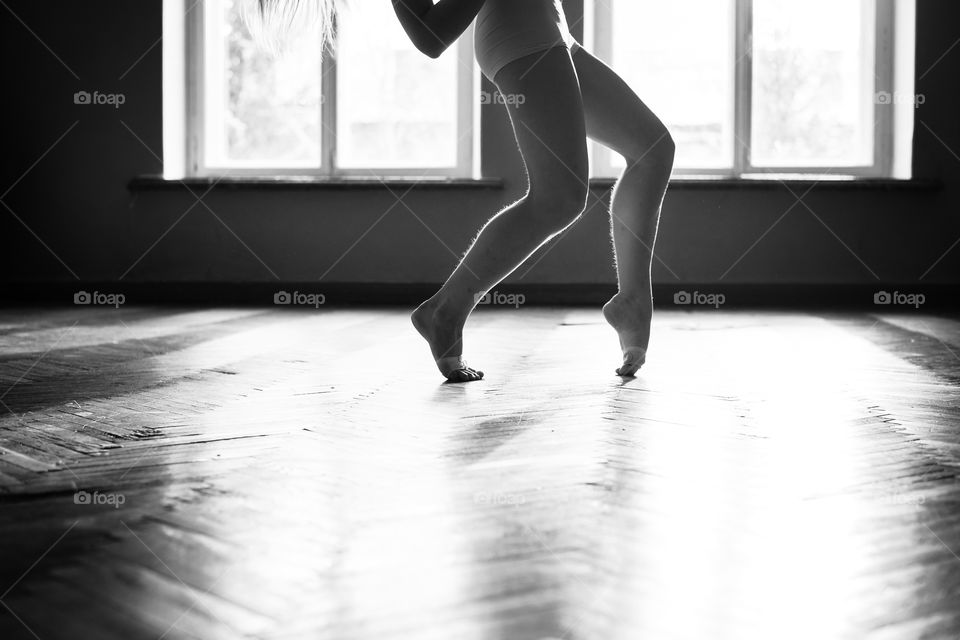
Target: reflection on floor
{"points": [[229, 473]]}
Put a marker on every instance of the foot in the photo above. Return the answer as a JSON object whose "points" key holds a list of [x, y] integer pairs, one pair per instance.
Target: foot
{"points": [[444, 333], [631, 318]]}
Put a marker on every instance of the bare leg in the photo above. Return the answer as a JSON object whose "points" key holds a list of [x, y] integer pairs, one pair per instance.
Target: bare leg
{"points": [[549, 128], [617, 118]]}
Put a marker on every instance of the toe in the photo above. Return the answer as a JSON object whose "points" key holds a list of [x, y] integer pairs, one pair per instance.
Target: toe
{"points": [[627, 370], [465, 374], [458, 375]]}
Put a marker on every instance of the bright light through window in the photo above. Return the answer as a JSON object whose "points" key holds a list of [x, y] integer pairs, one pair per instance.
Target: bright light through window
{"points": [[801, 98], [678, 57], [395, 106], [813, 83], [752, 86], [382, 106], [259, 112]]}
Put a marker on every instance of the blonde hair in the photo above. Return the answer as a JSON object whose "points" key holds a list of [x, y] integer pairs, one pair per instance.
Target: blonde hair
{"points": [[274, 23]]}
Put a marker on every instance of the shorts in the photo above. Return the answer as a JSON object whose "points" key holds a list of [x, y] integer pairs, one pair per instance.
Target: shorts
{"points": [[507, 30]]}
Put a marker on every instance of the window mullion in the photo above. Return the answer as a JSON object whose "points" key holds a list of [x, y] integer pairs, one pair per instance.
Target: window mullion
{"points": [[602, 43], [328, 113], [195, 78], [466, 99], [743, 87], [884, 25]]}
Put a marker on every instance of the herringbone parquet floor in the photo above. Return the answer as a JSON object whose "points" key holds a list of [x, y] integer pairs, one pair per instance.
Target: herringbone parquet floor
{"points": [[247, 473]]}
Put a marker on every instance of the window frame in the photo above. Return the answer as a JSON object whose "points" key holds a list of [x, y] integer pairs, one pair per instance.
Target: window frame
{"points": [[196, 107], [884, 38]]}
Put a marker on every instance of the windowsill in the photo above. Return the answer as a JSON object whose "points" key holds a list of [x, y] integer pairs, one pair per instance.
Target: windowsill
{"points": [[155, 182], [767, 182]]}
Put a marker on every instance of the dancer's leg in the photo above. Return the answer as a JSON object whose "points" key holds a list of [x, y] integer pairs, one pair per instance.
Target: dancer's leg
{"points": [[618, 119], [549, 128]]}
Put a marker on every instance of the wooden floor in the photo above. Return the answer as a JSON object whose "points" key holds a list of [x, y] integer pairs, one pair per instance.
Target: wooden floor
{"points": [[247, 473]]}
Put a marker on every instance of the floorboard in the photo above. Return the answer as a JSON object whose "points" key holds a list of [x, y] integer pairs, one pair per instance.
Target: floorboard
{"points": [[278, 473]]}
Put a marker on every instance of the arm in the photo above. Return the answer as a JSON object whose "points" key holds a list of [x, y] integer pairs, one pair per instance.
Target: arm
{"points": [[434, 27]]}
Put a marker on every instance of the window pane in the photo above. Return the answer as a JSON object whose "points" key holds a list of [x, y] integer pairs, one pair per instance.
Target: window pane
{"points": [[395, 106], [813, 83], [260, 111], [678, 56]]}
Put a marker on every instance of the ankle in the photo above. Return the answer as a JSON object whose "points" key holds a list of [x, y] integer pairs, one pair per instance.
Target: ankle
{"points": [[633, 299], [449, 310]]}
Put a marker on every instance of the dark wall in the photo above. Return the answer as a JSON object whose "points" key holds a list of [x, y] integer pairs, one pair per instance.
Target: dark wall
{"points": [[71, 215]]}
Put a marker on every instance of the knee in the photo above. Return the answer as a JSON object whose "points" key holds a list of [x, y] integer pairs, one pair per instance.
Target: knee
{"points": [[657, 151], [668, 150], [559, 205]]}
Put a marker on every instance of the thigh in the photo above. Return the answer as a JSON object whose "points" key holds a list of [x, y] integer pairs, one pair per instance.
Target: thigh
{"points": [[614, 114], [542, 95]]}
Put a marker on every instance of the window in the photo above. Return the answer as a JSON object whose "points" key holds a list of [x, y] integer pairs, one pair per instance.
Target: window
{"points": [[809, 95], [380, 107]]}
